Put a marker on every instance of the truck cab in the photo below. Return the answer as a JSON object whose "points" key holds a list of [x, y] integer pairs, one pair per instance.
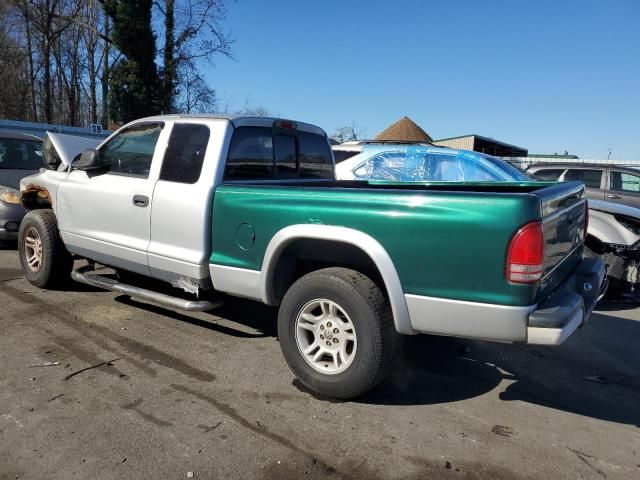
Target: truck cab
{"points": [[142, 201]]}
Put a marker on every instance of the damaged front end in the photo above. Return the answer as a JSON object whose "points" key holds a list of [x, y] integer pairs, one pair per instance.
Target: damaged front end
{"points": [[614, 236], [623, 267]]}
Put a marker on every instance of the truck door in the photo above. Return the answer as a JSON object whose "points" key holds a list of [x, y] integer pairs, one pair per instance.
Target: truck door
{"points": [[181, 210], [106, 214]]}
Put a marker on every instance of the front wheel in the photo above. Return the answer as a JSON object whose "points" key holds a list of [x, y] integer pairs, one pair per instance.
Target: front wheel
{"points": [[45, 261], [336, 332]]}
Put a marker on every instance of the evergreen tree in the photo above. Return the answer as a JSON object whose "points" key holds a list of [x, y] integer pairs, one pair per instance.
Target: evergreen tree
{"points": [[134, 87]]}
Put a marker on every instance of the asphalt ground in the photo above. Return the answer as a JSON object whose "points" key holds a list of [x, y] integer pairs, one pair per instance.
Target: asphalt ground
{"points": [[209, 395]]}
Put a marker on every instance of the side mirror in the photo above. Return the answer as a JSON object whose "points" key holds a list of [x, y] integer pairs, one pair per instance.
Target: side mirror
{"points": [[89, 160]]}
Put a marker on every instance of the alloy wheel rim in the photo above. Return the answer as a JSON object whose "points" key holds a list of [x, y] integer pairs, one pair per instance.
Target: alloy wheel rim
{"points": [[33, 249], [326, 336]]}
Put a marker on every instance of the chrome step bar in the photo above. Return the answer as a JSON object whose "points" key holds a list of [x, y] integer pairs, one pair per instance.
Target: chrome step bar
{"points": [[83, 276]]}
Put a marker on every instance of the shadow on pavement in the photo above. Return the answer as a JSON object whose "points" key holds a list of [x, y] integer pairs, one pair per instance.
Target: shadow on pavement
{"points": [[594, 373], [8, 245], [244, 312]]}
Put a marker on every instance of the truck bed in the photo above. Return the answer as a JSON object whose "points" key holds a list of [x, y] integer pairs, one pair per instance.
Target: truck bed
{"points": [[447, 240]]}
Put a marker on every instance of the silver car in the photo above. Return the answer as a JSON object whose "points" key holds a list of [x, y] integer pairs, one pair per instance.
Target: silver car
{"points": [[20, 156], [613, 183]]}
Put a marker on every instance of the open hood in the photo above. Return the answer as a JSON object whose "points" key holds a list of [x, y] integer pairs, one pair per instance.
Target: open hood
{"points": [[614, 208], [60, 149]]}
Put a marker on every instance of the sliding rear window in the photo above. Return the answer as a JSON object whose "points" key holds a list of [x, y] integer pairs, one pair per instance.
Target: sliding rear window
{"points": [[273, 154]]}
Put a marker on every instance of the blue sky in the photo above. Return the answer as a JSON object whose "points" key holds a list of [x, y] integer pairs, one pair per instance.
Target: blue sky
{"points": [[546, 75]]}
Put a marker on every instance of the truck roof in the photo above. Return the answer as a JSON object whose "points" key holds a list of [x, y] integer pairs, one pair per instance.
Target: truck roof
{"points": [[238, 120]]}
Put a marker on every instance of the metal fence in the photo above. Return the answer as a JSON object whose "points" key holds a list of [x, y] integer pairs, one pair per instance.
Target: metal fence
{"points": [[524, 162], [39, 129]]}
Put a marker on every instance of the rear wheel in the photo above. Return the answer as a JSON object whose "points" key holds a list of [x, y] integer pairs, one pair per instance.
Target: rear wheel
{"points": [[336, 332], [45, 261]]}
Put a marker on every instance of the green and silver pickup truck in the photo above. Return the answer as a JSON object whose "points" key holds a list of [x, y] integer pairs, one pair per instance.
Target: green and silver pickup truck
{"points": [[219, 207]]}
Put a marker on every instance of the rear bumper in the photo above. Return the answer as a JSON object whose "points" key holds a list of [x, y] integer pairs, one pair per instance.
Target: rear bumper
{"points": [[570, 306], [548, 323]]}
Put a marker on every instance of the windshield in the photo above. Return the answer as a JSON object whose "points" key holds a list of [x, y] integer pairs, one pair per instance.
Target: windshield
{"points": [[419, 164], [18, 154]]}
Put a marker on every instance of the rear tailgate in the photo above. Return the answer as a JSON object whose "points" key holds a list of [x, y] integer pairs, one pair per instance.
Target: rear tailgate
{"points": [[563, 209]]}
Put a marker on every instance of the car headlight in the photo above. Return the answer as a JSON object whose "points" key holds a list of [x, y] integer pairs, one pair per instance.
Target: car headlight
{"points": [[10, 195]]}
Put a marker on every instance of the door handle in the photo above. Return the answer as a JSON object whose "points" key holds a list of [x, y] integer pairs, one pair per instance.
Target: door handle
{"points": [[615, 197], [140, 200]]}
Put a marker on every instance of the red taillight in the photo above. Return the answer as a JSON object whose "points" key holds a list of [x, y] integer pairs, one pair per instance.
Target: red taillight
{"points": [[525, 257]]}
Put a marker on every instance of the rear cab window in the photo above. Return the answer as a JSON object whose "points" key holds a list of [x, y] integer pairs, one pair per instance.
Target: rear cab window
{"points": [[265, 153]]}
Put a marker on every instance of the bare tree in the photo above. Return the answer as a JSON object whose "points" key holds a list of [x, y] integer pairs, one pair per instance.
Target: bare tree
{"points": [[57, 57], [195, 95], [192, 35], [348, 133], [14, 76]]}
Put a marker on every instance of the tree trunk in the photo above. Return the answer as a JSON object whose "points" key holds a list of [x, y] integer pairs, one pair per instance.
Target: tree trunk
{"points": [[91, 46], [105, 76], [48, 109], [169, 60], [32, 77]]}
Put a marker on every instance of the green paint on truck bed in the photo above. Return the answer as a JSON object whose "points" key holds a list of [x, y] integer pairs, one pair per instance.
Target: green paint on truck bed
{"points": [[444, 244]]}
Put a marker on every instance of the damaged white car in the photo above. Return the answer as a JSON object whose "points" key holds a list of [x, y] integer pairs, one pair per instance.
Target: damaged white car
{"points": [[614, 235]]}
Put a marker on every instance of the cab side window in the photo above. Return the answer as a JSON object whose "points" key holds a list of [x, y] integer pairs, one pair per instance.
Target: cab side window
{"points": [[131, 151], [185, 154]]}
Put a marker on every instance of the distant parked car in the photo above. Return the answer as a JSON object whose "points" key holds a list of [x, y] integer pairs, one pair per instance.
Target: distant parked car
{"points": [[614, 235], [346, 150], [603, 182], [20, 156], [420, 163]]}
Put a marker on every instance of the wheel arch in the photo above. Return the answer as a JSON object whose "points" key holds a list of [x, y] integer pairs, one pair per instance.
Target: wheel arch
{"points": [[327, 235], [35, 197]]}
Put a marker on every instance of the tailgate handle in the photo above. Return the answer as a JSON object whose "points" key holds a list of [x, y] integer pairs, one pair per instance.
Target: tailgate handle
{"points": [[140, 200], [615, 197]]}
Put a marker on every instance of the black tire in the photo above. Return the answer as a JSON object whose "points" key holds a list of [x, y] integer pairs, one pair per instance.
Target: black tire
{"points": [[369, 312], [56, 263]]}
